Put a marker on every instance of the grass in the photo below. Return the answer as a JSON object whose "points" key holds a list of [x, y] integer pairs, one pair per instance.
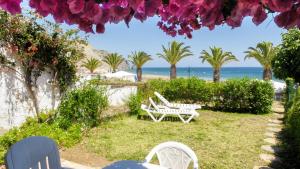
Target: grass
{"points": [[220, 140]]}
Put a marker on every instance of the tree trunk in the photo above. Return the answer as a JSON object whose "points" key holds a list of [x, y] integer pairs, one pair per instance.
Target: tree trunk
{"points": [[33, 97], [53, 88], [173, 73], [267, 74], [139, 74], [216, 75], [31, 92]]}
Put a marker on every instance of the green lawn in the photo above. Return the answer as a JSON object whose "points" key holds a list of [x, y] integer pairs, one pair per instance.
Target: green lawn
{"points": [[220, 140]]}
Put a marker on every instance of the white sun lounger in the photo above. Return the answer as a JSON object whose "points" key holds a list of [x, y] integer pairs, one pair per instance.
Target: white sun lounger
{"points": [[176, 105], [173, 155], [153, 110]]}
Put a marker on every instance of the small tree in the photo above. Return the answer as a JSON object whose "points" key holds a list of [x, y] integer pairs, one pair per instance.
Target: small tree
{"points": [[91, 64], [286, 63], [173, 54], [34, 48], [114, 60], [217, 58], [264, 54], [139, 59]]}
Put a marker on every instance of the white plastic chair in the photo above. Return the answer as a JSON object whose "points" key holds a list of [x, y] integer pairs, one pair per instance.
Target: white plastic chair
{"points": [[173, 155], [163, 111], [176, 105]]}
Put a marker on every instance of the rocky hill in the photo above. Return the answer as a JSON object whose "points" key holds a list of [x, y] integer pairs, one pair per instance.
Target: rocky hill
{"points": [[91, 52]]}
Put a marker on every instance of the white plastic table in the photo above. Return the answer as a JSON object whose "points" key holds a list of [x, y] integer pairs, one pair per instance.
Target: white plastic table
{"points": [[130, 164]]}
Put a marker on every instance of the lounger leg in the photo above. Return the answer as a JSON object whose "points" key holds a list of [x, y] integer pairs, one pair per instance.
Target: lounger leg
{"points": [[181, 118], [189, 119], [152, 117], [160, 119]]}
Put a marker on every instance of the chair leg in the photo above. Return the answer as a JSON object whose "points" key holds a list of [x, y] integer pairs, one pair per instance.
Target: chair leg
{"points": [[191, 117], [160, 119], [152, 117]]}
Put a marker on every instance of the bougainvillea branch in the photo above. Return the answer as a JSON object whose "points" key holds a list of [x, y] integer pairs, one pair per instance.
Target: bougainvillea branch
{"points": [[177, 16]]}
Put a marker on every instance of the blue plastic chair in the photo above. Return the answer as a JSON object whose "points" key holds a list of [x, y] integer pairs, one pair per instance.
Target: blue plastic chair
{"points": [[33, 153]]}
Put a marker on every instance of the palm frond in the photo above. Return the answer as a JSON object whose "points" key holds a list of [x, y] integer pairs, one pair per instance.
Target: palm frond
{"points": [[175, 52], [217, 57]]}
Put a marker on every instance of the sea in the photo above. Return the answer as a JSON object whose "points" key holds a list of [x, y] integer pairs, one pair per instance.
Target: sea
{"points": [[206, 73]]}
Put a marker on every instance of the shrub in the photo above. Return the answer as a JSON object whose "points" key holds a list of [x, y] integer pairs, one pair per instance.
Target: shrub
{"points": [[134, 103], [82, 105], [245, 95], [290, 92], [293, 128], [240, 95], [32, 127]]}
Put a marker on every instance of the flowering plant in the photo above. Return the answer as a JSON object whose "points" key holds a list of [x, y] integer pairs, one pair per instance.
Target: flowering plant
{"points": [[177, 16]]}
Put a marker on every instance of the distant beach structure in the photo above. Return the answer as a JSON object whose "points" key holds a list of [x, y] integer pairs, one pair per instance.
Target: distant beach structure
{"points": [[206, 73]]}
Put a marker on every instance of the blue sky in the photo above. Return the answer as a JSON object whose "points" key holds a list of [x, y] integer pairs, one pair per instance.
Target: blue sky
{"points": [[147, 37]]}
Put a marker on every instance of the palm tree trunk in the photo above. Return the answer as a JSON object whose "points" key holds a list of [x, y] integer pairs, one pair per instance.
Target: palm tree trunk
{"points": [[139, 74], [216, 75], [173, 73], [267, 74]]}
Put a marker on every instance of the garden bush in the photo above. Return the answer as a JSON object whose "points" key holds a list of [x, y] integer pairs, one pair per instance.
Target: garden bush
{"points": [[290, 92], [134, 103], [237, 95], [33, 127], [293, 130], [245, 96], [82, 105]]}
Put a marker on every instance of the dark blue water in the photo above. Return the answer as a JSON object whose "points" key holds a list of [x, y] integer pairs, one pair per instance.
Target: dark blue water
{"points": [[207, 72]]}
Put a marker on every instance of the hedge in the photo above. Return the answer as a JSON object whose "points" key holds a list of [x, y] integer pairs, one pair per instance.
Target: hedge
{"points": [[236, 95], [293, 129]]}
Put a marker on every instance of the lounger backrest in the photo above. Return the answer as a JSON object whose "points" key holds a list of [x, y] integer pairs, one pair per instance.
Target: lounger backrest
{"points": [[164, 100], [153, 104], [173, 155], [33, 153]]}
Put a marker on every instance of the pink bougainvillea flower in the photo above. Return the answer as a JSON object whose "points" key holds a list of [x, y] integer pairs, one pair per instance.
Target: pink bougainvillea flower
{"points": [[176, 16], [76, 6]]}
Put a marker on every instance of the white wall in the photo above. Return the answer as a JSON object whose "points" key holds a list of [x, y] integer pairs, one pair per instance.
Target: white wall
{"points": [[15, 104]]}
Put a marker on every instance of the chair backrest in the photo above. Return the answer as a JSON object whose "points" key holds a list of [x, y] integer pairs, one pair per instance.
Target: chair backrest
{"points": [[33, 153], [153, 104], [173, 155], [164, 100]]}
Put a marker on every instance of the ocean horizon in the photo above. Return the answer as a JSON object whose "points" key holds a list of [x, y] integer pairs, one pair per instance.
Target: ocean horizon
{"points": [[206, 73]]}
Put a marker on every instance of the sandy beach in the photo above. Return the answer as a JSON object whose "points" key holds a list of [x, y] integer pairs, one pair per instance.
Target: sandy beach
{"points": [[147, 77]]}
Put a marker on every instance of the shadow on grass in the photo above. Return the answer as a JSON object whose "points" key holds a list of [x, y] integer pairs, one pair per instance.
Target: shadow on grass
{"points": [[167, 118], [288, 155]]}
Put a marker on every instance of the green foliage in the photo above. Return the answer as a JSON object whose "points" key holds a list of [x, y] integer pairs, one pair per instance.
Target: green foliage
{"points": [[246, 95], [37, 47], [293, 128], [175, 52], [287, 61], [92, 64], [114, 60], [82, 105], [139, 58], [243, 95], [134, 103], [217, 57], [64, 138], [290, 93], [263, 53]]}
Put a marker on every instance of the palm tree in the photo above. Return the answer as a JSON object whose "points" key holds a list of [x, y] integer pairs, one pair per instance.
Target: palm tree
{"points": [[113, 60], [263, 53], [173, 54], [139, 59], [217, 58], [91, 64]]}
